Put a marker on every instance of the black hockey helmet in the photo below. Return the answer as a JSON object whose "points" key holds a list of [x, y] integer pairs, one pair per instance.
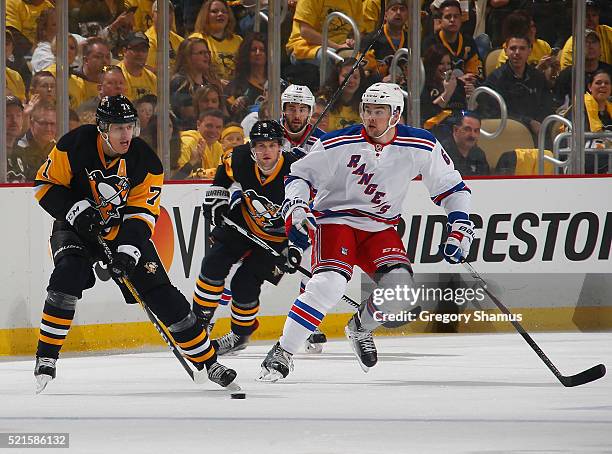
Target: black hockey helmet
{"points": [[115, 109], [266, 130]]}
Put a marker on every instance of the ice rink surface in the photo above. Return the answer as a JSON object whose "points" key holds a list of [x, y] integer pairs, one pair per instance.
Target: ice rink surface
{"points": [[485, 394]]}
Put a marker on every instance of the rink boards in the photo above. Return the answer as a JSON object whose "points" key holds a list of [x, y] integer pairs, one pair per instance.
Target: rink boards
{"points": [[544, 242]]}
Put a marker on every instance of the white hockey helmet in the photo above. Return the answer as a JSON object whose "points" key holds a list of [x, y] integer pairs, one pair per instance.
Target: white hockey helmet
{"points": [[386, 94], [299, 94]]}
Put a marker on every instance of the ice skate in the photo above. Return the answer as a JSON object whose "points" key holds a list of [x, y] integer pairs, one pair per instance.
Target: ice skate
{"points": [[230, 343], [362, 342], [277, 365], [314, 343], [221, 375], [44, 371]]}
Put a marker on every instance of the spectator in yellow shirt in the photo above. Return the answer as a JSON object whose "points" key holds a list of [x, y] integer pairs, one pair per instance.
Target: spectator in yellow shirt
{"points": [[21, 21], [232, 136], [143, 16], [111, 83], [204, 141], [140, 81], [151, 33], [216, 24], [76, 89], [96, 55], [14, 84]]}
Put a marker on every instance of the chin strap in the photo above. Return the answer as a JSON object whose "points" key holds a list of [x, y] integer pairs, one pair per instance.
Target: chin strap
{"points": [[104, 136], [389, 126]]}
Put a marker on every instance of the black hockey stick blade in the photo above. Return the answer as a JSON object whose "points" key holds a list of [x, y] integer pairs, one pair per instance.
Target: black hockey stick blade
{"points": [[587, 376]]}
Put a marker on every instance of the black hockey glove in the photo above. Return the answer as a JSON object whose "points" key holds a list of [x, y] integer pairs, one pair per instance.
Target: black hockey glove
{"points": [[290, 259], [85, 219], [124, 261], [216, 204]]}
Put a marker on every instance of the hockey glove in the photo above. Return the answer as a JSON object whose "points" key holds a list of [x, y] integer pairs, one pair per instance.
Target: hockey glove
{"points": [[460, 237], [298, 221], [85, 219], [290, 259], [298, 152], [216, 204], [124, 261]]}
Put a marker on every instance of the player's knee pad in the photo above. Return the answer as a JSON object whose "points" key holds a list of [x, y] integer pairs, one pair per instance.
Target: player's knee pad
{"points": [[72, 274], [392, 294], [61, 300], [167, 303], [324, 290], [65, 242]]}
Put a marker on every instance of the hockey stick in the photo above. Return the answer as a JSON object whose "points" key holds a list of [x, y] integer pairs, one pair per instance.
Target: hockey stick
{"points": [[255, 239], [586, 376], [197, 376], [340, 89]]}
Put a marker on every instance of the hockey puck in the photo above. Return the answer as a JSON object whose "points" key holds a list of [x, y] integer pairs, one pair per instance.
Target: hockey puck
{"points": [[238, 395]]}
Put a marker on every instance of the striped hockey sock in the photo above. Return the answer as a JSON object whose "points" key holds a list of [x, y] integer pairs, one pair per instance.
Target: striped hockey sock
{"points": [[207, 294], [244, 317], [54, 328]]}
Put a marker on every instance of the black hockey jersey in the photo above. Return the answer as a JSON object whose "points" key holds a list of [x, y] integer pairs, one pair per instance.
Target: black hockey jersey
{"points": [[125, 190], [260, 208]]}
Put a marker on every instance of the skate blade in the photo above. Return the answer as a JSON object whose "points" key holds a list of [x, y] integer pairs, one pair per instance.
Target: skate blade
{"points": [[364, 368], [313, 348], [269, 375], [233, 387], [41, 382]]}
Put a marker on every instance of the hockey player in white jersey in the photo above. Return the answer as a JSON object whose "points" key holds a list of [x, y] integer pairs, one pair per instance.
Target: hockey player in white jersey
{"points": [[361, 176], [297, 105]]}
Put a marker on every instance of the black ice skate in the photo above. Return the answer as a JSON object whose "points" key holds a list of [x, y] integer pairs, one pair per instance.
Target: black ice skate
{"points": [[362, 342], [277, 365], [314, 343], [230, 343], [44, 371], [221, 375]]}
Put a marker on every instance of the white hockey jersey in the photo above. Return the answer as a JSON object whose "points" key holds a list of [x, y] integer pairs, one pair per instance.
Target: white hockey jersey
{"points": [[363, 184], [298, 148]]}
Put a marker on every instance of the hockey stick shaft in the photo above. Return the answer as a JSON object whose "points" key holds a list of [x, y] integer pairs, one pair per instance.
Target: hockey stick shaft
{"points": [[158, 326], [340, 89], [581, 378]]}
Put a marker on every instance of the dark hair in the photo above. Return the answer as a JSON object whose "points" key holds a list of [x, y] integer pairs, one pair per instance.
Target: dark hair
{"points": [[150, 98], [431, 59], [211, 113], [243, 67], [91, 42], [73, 116], [149, 135], [591, 77], [517, 36], [449, 3], [517, 23], [333, 83], [459, 116]]}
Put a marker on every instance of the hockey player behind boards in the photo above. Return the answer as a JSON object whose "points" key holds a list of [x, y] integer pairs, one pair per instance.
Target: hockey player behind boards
{"points": [[297, 105], [259, 168], [361, 175], [103, 180]]}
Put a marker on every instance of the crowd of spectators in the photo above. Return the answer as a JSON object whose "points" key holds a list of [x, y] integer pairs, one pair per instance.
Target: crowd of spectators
{"points": [[218, 68]]}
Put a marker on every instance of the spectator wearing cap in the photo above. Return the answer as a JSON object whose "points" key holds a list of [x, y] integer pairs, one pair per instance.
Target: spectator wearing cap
{"points": [[201, 148], [462, 146], [251, 76], [523, 87], [463, 50], [17, 166], [151, 33], [139, 80], [562, 90], [304, 44], [216, 24], [593, 10], [394, 36], [39, 139], [21, 21], [96, 55], [232, 136]]}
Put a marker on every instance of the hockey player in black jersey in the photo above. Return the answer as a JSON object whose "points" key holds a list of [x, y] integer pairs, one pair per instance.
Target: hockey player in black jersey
{"points": [[259, 169], [104, 181]]}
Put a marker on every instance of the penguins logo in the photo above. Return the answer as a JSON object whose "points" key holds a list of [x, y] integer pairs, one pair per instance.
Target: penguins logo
{"points": [[264, 212], [110, 193]]}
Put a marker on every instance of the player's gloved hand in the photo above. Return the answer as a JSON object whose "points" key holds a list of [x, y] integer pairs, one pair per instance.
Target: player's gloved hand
{"points": [[298, 221], [216, 204], [235, 199], [124, 261], [460, 237], [298, 152], [290, 259], [85, 219]]}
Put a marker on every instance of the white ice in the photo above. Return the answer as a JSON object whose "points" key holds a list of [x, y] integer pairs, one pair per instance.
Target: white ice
{"points": [[481, 394]]}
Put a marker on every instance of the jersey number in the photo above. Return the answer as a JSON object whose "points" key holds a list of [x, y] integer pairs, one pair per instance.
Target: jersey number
{"points": [[45, 172], [445, 156], [156, 191]]}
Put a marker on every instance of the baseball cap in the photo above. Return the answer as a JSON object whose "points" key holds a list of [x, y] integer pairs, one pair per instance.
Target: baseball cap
{"points": [[136, 38], [391, 3], [589, 32], [13, 101]]}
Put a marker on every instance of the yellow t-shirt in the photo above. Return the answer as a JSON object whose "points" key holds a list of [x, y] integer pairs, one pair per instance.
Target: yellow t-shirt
{"points": [[137, 87], [189, 141], [14, 84], [313, 13], [76, 89], [224, 54], [143, 17], [605, 38], [346, 116], [23, 16], [540, 49], [175, 41]]}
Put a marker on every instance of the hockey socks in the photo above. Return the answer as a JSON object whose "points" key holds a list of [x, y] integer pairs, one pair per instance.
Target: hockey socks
{"points": [[57, 316], [193, 341]]}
